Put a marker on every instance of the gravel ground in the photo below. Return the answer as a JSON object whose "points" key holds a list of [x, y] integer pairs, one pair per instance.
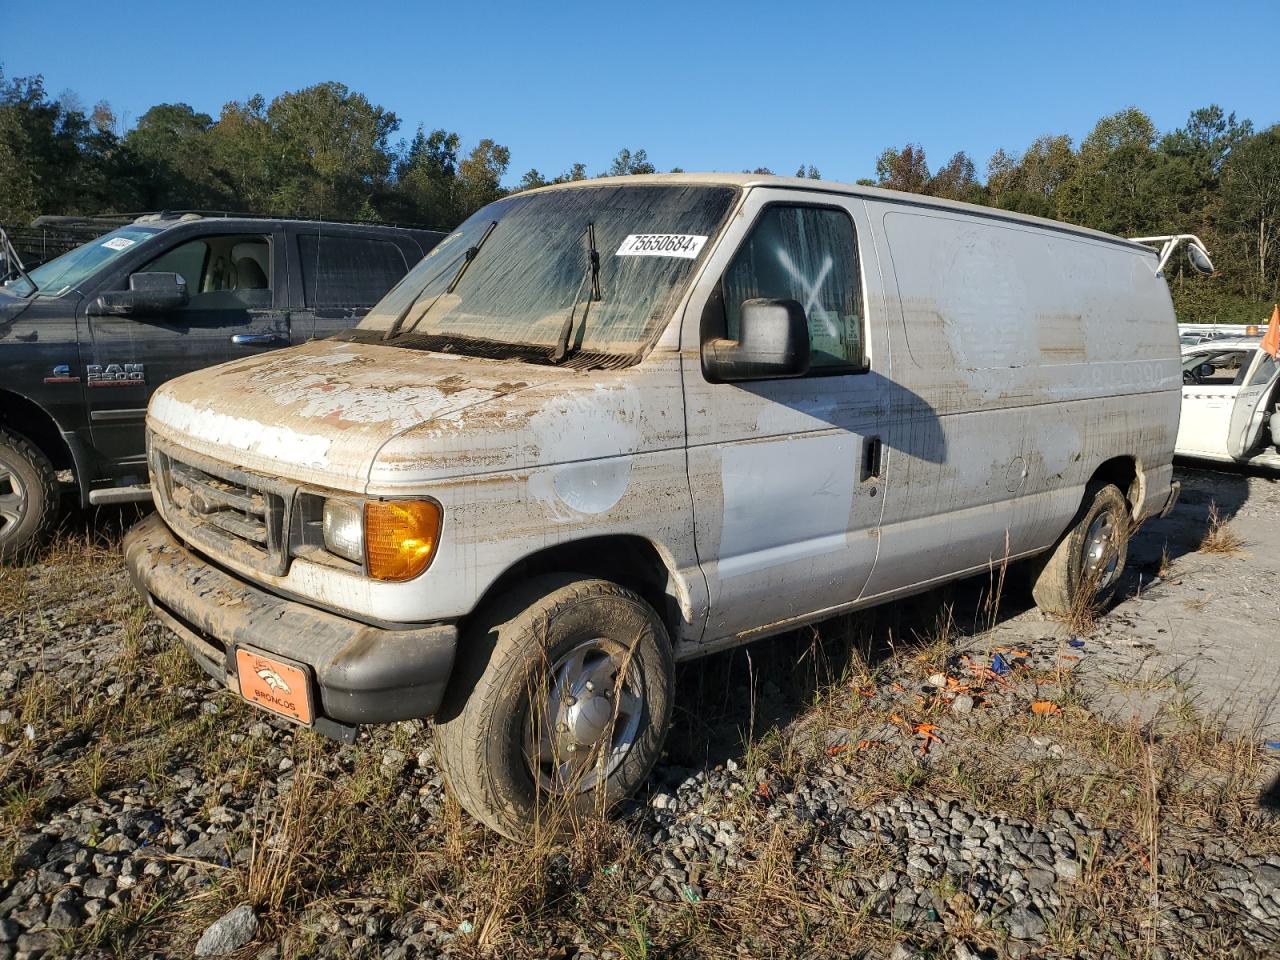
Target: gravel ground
{"points": [[951, 777]]}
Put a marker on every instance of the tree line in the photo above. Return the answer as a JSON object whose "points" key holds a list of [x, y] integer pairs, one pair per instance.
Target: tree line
{"points": [[327, 151]]}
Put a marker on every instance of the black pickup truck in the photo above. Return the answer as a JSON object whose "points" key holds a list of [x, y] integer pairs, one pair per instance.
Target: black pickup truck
{"points": [[86, 337]]}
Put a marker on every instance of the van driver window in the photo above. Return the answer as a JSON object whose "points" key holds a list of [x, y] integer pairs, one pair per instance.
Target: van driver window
{"points": [[807, 254]]}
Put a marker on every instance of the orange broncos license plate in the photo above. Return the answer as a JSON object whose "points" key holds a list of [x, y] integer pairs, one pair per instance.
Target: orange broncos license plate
{"points": [[274, 685]]}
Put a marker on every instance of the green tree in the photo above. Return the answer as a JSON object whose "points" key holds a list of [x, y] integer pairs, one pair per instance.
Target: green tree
{"points": [[1111, 186], [19, 193], [242, 156], [1031, 184], [426, 178], [480, 175], [627, 163], [905, 169], [531, 181], [68, 160], [1251, 205], [330, 148], [957, 179], [171, 144]]}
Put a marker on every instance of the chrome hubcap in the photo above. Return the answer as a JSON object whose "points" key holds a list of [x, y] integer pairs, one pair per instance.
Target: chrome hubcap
{"points": [[1101, 551], [13, 499], [589, 720]]}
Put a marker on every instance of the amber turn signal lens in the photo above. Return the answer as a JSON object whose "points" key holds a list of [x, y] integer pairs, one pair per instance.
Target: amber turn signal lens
{"points": [[400, 537]]}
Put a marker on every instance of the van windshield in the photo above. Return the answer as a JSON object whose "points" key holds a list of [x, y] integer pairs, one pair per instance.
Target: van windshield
{"points": [[531, 265], [62, 273]]}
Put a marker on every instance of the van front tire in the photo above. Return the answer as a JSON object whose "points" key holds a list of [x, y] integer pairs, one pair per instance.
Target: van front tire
{"points": [[28, 497], [558, 707], [1083, 570]]}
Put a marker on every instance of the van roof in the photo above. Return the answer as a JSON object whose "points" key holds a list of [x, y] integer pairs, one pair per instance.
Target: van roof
{"points": [[845, 189]]}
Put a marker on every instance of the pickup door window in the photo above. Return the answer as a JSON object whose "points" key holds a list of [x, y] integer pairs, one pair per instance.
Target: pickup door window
{"points": [[231, 312], [342, 277], [784, 473]]}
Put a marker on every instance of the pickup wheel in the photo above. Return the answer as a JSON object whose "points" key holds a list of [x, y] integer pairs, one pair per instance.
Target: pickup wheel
{"points": [[559, 705], [28, 496], [1088, 561]]}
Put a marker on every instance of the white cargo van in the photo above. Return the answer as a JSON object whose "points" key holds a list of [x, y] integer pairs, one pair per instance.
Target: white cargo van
{"points": [[610, 425]]}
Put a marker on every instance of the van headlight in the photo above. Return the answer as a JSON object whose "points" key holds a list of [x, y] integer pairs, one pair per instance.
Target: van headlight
{"points": [[394, 539], [343, 527]]}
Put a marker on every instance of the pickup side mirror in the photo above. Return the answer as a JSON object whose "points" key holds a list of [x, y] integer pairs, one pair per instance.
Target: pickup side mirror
{"points": [[148, 293], [773, 343]]}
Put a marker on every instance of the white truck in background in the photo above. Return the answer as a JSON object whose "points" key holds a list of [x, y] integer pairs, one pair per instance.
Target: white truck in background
{"points": [[610, 425]]}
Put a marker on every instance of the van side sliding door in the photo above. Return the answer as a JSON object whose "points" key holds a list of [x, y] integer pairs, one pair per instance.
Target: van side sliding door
{"points": [[785, 474]]}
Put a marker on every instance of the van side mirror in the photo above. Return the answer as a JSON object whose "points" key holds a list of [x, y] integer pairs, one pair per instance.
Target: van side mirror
{"points": [[773, 343], [1200, 261], [148, 293]]}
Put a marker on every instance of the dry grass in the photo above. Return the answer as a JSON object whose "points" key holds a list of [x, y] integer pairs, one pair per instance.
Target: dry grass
{"points": [[340, 831], [1219, 538]]}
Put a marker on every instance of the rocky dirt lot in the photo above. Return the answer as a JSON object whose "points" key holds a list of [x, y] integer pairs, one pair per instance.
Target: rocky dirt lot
{"points": [[954, 776]]}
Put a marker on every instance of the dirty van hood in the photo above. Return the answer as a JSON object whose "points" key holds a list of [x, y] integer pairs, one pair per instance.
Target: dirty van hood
{"points": [[319, 413]]}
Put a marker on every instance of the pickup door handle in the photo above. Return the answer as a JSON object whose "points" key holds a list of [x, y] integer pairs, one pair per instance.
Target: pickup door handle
{"points": [[871, 448], [258, 340]]}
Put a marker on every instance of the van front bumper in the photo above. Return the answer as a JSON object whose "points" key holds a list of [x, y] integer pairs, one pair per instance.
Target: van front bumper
{"points": [[360, 674]]}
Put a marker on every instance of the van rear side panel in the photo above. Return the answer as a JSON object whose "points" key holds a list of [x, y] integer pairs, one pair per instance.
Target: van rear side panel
{"points": [[1032, 355]]}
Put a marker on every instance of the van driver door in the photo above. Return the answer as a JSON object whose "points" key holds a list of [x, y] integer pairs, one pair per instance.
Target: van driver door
{"points": [[785, 474]]}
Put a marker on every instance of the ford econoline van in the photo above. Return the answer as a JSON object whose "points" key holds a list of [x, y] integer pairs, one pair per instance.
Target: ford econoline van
{"points": [[611, 425]]}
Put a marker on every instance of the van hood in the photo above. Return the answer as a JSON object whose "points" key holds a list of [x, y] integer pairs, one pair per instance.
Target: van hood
{"points": [[320, 413]]}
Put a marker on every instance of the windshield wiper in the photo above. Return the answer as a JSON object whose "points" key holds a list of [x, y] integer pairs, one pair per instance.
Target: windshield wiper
{"points": [[593, 273], [468, 256]]}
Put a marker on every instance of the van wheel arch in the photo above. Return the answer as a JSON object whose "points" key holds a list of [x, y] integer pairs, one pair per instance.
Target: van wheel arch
{"points": [[628, 560], [1123, 473]]}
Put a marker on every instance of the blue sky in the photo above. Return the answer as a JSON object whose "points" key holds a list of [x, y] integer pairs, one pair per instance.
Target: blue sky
{"points": [[704, 86]]}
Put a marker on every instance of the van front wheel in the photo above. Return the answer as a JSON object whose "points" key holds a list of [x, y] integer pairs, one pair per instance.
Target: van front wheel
{"points": [[559, 705], [1082, 572]]}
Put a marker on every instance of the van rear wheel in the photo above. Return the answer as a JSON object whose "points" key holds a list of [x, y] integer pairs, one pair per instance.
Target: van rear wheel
{"points": [[1082, 572], [28, 497], [559, 705]]}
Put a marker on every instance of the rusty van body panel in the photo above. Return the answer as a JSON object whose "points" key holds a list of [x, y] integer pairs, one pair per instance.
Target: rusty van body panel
{"points": [[980, 370]]}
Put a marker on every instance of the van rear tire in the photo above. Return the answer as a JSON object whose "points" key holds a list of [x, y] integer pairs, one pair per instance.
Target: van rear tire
{"points": [[1083, 570], [29, 498], [563, 669]]}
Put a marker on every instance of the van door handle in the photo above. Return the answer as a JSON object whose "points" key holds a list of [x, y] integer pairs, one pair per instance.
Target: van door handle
{"points": [[258, 339], [871, 449]]}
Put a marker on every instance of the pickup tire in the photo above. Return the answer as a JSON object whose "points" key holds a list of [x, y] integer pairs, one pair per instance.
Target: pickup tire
{"points": [[1082, 571], [558, 706], [29, 497]]}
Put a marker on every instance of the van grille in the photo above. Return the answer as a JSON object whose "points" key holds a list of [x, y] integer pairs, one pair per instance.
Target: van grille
{"points": [[243, 515]]}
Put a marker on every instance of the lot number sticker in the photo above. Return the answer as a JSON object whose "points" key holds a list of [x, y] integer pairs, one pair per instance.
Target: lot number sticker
{"points": [[118, 243], [686, 246]]}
